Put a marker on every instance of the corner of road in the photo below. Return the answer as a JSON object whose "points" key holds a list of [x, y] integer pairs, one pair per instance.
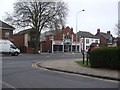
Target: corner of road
{"points": [[70, 66]]}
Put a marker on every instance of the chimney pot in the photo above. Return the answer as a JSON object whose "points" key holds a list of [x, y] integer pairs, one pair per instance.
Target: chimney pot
{"points": [[98, 30], [108, 32], [71, 29]]}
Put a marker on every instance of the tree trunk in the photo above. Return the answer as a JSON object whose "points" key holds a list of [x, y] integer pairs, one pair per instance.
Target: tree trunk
{"points": [[37, 41]]}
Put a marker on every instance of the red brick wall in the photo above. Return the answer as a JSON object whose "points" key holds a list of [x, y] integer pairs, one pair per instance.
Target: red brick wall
{"points": [[103, 41], [7, 38], [118, 41], [65, 32], [47, 45], [29, 50], [19, 40]]}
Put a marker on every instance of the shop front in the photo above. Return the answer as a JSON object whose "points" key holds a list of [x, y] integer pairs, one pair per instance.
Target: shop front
{"points": [[60, 46]]}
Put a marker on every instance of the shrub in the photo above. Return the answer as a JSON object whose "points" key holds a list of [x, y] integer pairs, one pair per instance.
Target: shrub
{"points": [[105, 57]]}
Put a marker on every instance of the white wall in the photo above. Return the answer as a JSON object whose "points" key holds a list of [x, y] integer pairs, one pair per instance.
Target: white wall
{"points": [[91, 40]]}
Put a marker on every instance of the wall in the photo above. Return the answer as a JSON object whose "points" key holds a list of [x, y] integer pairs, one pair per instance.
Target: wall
{"points": [[0, 34], [103, 41], [19, 42], [91, 40], [66, 31], [47, 46], [10, 36]]}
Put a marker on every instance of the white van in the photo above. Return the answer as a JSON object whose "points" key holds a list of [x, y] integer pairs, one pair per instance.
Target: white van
{"points": [[7, 47]]}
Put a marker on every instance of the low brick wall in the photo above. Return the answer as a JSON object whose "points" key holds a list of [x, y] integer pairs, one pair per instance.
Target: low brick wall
{"points": [[29, 50]]}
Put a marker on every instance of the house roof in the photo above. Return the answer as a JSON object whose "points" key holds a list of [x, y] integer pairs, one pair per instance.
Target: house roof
{"points": [[25, 31], [50, 33], [5, 26], [106, 36], [86, 34]]}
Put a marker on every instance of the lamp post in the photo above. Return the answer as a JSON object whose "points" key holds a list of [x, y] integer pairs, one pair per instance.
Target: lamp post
{"points": [[76, 26]]}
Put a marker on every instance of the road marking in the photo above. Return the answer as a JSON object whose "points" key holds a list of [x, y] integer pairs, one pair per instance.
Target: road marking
{"points": [[8, 85], [35, 66]]}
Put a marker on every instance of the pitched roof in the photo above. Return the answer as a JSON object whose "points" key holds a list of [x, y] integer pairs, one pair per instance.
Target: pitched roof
{"points": [[85, 34], [25, 31], [4, 25], [106, 36], [50, 33]]}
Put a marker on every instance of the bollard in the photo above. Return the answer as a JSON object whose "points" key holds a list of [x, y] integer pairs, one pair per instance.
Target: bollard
{"points": [[83, 57], [87, 59]]}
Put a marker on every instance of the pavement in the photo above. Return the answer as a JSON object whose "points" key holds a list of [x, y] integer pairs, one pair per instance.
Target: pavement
{"points": [[70, 66]]}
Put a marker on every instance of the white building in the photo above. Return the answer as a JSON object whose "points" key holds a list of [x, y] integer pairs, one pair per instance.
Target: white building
{"points": [[87, 39]]}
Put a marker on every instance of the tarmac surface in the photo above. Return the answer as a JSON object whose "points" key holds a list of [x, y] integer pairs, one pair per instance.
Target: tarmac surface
{"points": [[70, 66]]}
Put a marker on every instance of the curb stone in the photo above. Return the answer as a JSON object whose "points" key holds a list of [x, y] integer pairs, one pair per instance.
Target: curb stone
{"points": [[72, 72]]}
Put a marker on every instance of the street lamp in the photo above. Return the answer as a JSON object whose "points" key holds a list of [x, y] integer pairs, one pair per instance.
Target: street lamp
{"points": [[76, 26]]}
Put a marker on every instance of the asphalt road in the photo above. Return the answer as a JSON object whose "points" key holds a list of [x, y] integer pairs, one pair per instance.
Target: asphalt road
{"points": [[17, 72]]}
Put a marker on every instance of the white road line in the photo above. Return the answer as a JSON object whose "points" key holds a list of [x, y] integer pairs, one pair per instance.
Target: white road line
{"points": [[8, 85]]}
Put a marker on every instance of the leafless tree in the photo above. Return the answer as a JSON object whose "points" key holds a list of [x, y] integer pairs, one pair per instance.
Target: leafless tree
{"points": [[39, 15]]}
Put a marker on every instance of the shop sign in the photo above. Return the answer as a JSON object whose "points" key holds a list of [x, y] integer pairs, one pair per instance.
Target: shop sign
{"points": [[75, 43], [58, 43], [68, 43]]}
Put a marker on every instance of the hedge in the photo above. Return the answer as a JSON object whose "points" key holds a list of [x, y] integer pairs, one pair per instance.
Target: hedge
{"points": [[108, 57]]}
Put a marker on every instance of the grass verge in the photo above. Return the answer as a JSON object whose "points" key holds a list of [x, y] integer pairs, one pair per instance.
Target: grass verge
{"points": [[84, 65]]}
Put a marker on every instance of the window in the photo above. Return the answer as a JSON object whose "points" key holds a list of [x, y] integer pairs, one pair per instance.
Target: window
{"points": [[67, 38], [12, 46], [87, 40], [7, 34], [96, 41], [87, 47]]}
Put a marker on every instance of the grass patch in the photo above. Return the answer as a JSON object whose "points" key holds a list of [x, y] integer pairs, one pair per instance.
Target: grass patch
{"points": [[81, 63]]}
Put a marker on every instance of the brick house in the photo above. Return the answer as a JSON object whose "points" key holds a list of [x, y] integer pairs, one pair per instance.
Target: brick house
{"points": [[106, 39], [87, 39], [6, 31], [64, 41], [24, 40], [117, 41]]}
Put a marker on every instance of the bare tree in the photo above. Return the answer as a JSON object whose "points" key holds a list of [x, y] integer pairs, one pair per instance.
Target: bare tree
{"points": [[39, 15]]}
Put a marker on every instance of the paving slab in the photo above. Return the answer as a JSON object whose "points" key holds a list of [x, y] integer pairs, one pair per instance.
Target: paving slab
{"points": [[72, 66]]}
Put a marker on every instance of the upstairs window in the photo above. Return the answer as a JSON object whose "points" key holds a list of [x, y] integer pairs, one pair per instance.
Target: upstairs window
{"points": [[96, 41], [7, 34], [87, 40], [67, 37]]}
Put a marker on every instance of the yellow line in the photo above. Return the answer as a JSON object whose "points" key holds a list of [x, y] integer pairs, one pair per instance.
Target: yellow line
{"points": [[35, 66]]}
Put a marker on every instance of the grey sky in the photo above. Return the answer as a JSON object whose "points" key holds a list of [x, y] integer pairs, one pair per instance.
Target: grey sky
{"points": [[101, 14]]}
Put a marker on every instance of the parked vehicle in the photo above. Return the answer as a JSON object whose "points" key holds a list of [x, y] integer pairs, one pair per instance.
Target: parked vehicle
{"points": [[7, 47]]}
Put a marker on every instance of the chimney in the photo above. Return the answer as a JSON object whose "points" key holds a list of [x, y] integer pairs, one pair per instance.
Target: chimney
{"points": [[71, 29], [108, 32], [68, 27], [63, 27], [98, 30]]}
